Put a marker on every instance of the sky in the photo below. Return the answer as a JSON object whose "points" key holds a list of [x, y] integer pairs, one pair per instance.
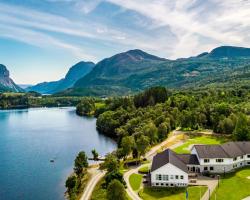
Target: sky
{"points": [[41, 39]]}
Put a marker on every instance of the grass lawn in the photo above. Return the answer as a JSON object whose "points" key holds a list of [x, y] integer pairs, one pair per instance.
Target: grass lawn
{"points": [[144, 169], [199, 140], [172, 193], [135, 181], [100, 105], [234, 186]]}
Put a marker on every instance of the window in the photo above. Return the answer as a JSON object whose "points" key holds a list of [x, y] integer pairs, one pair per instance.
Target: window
{"points": [[248, 156], [158, 177], [248, 163], [182, 177], [211, 168], [205, 168], [235, 159], [241, 157], [172, 177], [162, 184], [176, 177], [206, 160], [157, 184], [219, 160], [165, 177]]}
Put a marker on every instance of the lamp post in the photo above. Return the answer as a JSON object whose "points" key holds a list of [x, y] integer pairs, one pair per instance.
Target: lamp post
{"points": [[218, 176]]}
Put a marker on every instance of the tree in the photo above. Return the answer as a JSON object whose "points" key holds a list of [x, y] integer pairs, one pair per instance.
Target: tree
{"points": [[85, 107], [242, 130], [142, 143], [81, 162], [95, 154], [111, 163], [114, 175], [71, 182], [127, 145], [116, 191], [150, 130]]}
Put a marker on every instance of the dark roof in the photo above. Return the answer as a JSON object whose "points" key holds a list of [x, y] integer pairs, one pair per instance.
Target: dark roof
{"points": [[232, 149], [244, 146], [227, 150], [165, 157], [210, 151], [189, 159]]}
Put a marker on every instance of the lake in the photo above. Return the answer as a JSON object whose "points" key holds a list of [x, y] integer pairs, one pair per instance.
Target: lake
{"points": [[30, 138]]}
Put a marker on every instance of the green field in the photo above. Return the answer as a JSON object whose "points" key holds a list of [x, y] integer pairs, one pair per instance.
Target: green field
{"points": [[135, 181], [199, 140], [234, 186], [144, 169], [172, 193]]}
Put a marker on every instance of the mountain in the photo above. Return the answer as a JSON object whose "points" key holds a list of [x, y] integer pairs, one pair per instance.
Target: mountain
{"points": [[112, 71], [24, 86], [229, 52], [76, 72], [136, 70], [6, 83]]}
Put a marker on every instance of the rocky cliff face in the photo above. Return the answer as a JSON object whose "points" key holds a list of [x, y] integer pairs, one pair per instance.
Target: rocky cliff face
{"points": [[6, 83]]}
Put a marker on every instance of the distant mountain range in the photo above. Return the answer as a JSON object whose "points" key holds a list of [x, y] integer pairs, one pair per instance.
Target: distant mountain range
{"points": [[136, 70], [76, 72], [6, 83]]}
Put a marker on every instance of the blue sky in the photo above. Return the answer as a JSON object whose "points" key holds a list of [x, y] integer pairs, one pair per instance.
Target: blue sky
{"points": [[41, 39]]}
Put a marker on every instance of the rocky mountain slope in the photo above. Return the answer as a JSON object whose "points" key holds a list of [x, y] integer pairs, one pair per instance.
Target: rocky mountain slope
{"points": [[6, 83]]}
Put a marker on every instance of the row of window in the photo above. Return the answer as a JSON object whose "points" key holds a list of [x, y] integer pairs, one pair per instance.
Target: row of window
{"points": [[210, 168], [170, 184], [164, 177], [220, 160]]}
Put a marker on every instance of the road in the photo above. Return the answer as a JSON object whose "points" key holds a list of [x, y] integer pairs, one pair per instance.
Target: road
{"points": [[172, 142], [96, 176]]}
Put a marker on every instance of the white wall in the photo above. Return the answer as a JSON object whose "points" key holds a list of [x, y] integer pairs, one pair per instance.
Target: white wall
{"points": [[169, 170]]}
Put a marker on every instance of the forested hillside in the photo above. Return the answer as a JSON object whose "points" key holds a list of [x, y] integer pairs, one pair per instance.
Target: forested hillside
{"points": [[148, 117], [135, 70]]}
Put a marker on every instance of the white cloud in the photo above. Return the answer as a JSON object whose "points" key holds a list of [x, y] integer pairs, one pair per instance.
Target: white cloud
{"points": [[190, 20], [169, 28]]}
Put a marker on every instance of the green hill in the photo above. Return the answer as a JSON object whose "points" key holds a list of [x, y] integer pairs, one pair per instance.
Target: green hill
{"points": [[136, 70]]}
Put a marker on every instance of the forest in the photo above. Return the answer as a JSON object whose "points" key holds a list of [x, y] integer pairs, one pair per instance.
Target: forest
{"points": [[145, 119]]}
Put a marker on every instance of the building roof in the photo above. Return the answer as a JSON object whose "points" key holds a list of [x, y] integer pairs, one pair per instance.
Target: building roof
{"points": [[210, 151], [232, 149], [244, 146], [189, 159], [227, 150], [165, 157]]}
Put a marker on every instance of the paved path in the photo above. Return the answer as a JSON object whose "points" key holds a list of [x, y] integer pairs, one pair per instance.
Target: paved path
{"points": [[173, 142], [133, 195], [211, 183], [96, 176]]}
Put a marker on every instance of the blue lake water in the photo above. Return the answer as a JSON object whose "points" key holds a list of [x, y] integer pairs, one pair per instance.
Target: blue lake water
{"points": [[30, 138]]}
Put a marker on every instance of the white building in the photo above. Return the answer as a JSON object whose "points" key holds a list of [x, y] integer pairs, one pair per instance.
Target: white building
{"points": [[171, 170]]}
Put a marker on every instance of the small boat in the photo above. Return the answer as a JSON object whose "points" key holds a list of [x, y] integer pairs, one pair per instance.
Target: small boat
{"points": [[52, 160]]}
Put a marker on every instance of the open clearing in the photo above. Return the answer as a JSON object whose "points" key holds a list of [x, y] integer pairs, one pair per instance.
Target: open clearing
{"points": [[185, 148]]}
